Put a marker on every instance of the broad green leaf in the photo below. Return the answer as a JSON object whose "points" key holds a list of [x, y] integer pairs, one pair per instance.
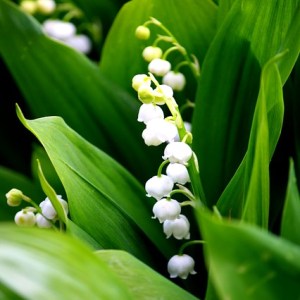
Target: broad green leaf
{"points": [[141, 281], [291, 212], [104, 199], [192, 23], [71, 86], [249, 263], [11, 179], [252, 33], [41, 264], [250, 185]]}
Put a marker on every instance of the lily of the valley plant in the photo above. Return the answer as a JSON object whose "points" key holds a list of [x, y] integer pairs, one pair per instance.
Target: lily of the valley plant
{"points": [[165, 155]]}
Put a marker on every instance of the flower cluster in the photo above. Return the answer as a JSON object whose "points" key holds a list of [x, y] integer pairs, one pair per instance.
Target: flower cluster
{"points": [[172, 131], [43, 215]]}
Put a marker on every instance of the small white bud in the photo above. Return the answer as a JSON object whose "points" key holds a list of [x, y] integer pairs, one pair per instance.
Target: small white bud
{"points": [[25, 218], [139, 80], [79, 42], [181, 266], [175, 80], [148, 112], [178, 173], [46, 7], [42, 222], [161, 93], [59, 29], [150, 53], [14, 197], [142, 32], [179, 228], [159, 66], [178, 152], [49, 211], [159, 131], [166, 209], [159, 187]]}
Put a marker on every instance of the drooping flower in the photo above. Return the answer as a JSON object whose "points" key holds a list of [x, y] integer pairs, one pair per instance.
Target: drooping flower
{"points": [[49, 211], [175, 80], [25, 218], [80, 42], [14, 197], [159, 131], [42, 222], [148, 112], [139, 80], [161, 93], [181, 266], [159, 66], [150, 53], [159, 187], [178, 152], [178, 172], [146, 94], [166, 209], [58, 29], [142, 32], [45, 6], [179, 228]]}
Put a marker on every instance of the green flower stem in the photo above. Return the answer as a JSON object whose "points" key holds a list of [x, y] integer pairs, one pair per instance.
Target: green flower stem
{"points": [[189, 195], [159, 171], [190, 243]]}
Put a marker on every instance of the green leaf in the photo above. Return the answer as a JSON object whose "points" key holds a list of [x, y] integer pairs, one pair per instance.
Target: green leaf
{"points": [[71, 86], [250, 185], [11, 179], [41, 264], [192, 22], [290, 221], [104, 199], [141, 281], [251, 34], [248, 263]]}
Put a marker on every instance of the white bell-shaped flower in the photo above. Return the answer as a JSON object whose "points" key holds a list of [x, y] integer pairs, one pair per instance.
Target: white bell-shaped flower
{"points": [[181, 266], [179, 228], [159, 187], [175, 80], [159, 131], [159, 66], [42, 222], [25, 218], [178, 152], [166, 209], [59, 29], [161, 93], [151, 52], [79, 42], [148, 112], [178, 172], [49, 211], [139, 80]]}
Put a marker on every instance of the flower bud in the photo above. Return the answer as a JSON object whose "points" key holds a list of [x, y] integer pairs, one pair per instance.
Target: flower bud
{"points": [[46, 7], [150, 53], [25, 218], [28, 6], [139, 80], [142, 32], [178, 173], [14, 197], [159, 131], [161, 93], [175, 80], [79, 42], [179, 228], [166, 209], [59, 29], [145, 94], [42, 222], [159, 187], [181, 266], [178, 152], [148, 112], [49, 211], [159, 67]]}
